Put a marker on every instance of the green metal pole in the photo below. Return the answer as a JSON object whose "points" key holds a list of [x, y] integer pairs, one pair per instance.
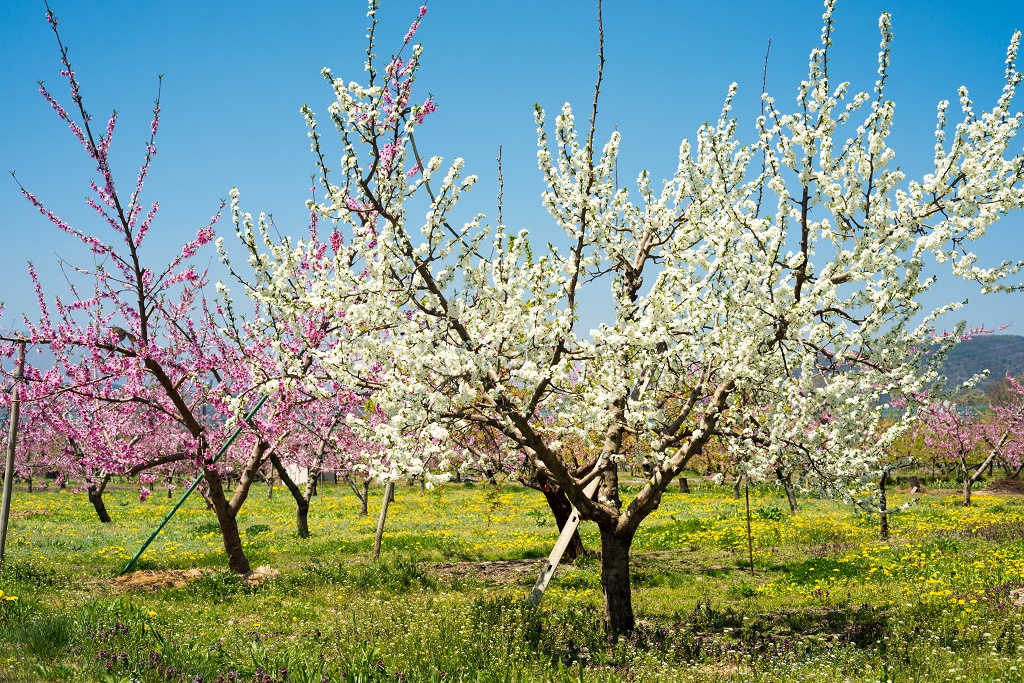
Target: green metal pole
{"points": [[195, 484]]}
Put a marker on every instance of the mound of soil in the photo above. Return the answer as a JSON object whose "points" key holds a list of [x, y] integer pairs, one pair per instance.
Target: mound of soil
{"points": [[158, 579], [260, 574], [1010, 486], [503, 572]]}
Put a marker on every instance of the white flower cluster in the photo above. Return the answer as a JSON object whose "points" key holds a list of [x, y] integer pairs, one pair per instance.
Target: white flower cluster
{"points": [[767, 297]]}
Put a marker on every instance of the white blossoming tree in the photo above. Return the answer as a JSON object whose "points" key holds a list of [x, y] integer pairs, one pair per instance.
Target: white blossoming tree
{"points": [[767, 295]]}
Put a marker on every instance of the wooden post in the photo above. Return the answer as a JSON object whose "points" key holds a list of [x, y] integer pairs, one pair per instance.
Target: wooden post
{"points": [[389, 494], [560, 545], [750, 540], [12, 444]]}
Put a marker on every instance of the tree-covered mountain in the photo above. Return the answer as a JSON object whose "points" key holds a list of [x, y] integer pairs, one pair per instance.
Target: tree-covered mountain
{"points": [[997, 353]]}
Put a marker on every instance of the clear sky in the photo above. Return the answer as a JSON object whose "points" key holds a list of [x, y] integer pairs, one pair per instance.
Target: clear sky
{"points": [[236, 73]]}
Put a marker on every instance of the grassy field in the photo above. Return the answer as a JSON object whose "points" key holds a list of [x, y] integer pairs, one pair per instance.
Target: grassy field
{"points": [[828, 601]]}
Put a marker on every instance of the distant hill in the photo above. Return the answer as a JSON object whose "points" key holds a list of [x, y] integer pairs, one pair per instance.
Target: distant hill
{"points": [[997, 353]]}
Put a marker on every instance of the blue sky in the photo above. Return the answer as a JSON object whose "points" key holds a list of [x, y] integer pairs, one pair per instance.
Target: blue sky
{"points": [[235, 74]]}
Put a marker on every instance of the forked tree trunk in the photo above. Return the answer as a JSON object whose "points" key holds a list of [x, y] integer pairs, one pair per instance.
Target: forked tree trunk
{"points": [[95, 493], [301, 497], [226, 517], [362, 493], [227, 510], [618, 601]]}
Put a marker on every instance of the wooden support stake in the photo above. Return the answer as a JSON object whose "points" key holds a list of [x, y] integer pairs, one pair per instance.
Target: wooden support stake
{"points": [[389, 495], [560, 545], [12, 444]]}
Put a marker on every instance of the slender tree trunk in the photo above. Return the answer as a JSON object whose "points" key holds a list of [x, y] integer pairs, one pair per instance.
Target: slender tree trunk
{"points": [[883, 510], [736, 488], [967, 490], [787, 484], [618, 602], [95, 493]]}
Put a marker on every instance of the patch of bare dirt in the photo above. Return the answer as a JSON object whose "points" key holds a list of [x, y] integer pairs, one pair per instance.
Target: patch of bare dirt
{"points": [[157, 579], [503, 572], [28, 513], [260, 574], [1013, 487]]}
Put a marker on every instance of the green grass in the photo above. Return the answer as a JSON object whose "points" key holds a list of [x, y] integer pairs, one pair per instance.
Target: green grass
{"points": [[827, 602]]}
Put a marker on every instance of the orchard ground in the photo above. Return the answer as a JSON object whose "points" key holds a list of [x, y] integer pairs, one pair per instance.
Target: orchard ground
{"points": [[446, 602]]}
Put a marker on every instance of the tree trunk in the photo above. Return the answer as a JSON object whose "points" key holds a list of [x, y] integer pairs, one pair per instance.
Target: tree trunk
{"points": [[618, 601], [237, 561], [301, 502], [95, 493], [883, 511], [967, 491], [363, 495], [561, 508], [787, 484], [684, 486], [736, 488]]}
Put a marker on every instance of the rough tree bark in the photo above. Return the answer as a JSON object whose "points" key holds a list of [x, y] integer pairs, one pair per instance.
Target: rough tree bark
{"points": [[786, 479], [95, 493], [615, 587]]}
